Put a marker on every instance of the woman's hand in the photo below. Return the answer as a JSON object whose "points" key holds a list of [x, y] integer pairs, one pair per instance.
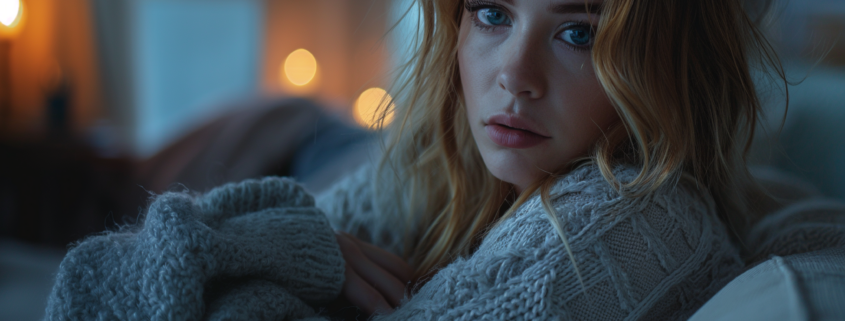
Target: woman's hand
{"points": [[375, 279]]}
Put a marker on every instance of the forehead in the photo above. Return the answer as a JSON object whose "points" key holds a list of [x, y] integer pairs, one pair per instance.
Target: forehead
{"points": [[562, 6]]}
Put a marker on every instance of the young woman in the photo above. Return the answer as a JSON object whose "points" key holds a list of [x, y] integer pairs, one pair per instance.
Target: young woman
{"points": [[559, 159], [550, 160]]}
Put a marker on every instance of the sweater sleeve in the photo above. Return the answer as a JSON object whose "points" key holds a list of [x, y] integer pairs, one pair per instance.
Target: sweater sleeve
{"points": [[656, 257], [354, 206]]}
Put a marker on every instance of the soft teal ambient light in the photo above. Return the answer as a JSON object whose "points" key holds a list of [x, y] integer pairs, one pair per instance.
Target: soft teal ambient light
{"points": [[189, 57]]}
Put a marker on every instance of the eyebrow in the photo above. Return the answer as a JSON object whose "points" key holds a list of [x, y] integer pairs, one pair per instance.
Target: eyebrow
{"points": [[570, 8]]}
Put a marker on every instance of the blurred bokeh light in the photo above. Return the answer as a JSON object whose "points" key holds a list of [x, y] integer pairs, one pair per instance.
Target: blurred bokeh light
{"points": [[369, 106], [10, 12], [300, 67]]}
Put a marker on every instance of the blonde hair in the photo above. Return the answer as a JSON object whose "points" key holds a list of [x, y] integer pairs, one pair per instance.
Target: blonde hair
{"points": [[677, 72]]}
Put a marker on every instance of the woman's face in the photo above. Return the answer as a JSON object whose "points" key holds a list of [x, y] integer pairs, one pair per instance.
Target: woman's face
{"points": [[533, 100]]}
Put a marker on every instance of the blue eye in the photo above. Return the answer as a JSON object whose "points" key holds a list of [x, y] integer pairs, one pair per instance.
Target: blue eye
{"points": [[492, 16], [579, 36]]}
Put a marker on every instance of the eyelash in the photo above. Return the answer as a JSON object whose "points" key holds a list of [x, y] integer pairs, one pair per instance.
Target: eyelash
{"points": [[474, 6]]}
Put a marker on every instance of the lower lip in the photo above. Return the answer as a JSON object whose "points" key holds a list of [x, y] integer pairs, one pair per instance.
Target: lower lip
{"points": [[513, 138]]}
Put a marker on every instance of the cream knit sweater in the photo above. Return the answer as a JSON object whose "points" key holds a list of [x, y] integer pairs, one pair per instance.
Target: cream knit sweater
{"points": [[657, 257], [261, 250]]}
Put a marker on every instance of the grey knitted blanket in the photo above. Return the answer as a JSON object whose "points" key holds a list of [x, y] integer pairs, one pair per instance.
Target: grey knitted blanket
{"points": [[257, 250], [260, 250]]}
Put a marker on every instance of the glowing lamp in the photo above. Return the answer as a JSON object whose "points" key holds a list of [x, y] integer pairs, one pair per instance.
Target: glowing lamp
{"points": [[300, 67], [11, 14], [370, 105]]}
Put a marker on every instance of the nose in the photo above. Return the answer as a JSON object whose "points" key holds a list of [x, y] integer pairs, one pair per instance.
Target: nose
{"points": [[521, 72]]}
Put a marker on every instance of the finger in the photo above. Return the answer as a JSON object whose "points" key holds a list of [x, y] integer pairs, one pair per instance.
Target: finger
{"points": [[390, 262], [383, 281], [362, 295]]}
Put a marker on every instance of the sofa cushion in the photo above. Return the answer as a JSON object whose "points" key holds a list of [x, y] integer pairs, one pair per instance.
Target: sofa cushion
{"points": [[806, 286]]}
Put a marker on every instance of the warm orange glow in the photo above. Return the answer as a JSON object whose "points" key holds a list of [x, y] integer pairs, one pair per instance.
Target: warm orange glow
{"points": [[10, 12], [300, 67], [368, 105]]}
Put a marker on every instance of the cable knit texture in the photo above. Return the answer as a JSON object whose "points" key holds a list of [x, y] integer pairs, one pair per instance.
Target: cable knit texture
{"points": [[259, 250], [656, 257]]}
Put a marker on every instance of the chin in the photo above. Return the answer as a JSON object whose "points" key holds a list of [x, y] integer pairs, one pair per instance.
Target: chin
{"points": [[512, 168]]}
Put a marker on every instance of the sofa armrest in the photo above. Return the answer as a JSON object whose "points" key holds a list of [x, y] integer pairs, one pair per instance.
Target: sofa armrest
{"points": [[806, 286]]}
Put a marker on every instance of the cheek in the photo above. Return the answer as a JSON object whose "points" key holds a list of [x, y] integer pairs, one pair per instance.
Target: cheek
{"points": [[476, 70], [590, 106], [579, 112], [586, 117], [467, 80], [477, 73], [581, 101], [606, 115]]}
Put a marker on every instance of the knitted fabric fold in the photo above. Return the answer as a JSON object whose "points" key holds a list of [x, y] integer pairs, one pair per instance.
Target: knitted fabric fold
{"points": [[256, 250], [807, 226]]}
